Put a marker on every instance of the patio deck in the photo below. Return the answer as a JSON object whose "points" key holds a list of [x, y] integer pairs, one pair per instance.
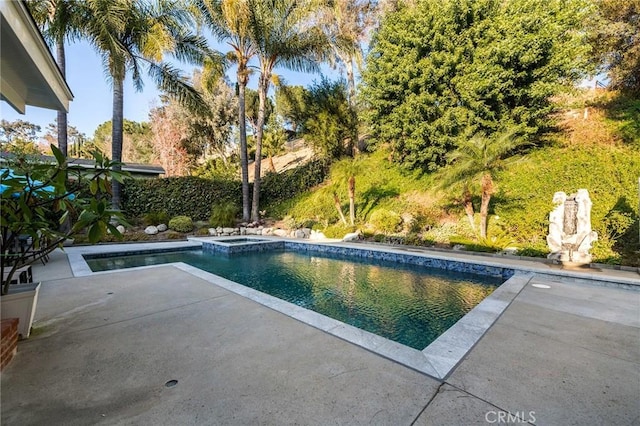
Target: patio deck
{"points": [[105, 345]]}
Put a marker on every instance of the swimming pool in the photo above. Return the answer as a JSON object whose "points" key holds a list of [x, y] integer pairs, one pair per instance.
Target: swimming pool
{"points": [[438, 359], [409, 304]]}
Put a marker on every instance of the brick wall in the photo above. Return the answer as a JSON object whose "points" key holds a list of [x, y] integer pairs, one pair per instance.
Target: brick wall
{"points": [[9, 340]]}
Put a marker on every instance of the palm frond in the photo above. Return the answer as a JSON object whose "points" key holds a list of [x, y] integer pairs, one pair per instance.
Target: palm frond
{"points": [[171, 80], [193, 49]]}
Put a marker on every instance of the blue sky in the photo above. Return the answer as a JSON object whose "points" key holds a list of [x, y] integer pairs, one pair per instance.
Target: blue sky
{"points": [[92, 104]]}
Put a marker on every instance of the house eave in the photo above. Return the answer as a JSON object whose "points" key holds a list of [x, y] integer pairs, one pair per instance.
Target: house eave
{"points": [[28, 73]]}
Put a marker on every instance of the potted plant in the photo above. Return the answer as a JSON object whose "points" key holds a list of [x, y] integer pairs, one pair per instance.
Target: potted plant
{"points": [[36, 199]]}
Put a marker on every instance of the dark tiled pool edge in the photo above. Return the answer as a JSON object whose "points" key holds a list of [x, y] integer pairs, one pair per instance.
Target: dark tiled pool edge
{"points": [[410, 259], [219, 246]]}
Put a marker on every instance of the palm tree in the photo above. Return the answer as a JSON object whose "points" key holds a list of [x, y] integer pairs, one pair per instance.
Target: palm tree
{"points": [[229, 21], [479, 158], [346, 24], [130, 35], [283, 35], [59, 22]]}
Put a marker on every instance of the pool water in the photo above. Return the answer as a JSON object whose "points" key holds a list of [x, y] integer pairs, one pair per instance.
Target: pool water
{"points": [[408, 304]]}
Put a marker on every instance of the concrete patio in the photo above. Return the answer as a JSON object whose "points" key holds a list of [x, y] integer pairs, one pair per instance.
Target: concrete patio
{"points": [[105, 346]]}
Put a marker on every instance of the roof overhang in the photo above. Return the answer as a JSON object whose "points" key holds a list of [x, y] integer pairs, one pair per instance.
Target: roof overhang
{"points": [[28, 73]]}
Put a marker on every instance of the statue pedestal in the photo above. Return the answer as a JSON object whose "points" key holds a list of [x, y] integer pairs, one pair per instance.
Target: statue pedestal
{"points": [[574, 266]]}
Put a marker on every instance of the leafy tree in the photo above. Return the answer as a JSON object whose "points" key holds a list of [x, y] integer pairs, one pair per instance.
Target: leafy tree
{"points": [[19, 137], [615, 36], [194, 137], [168, 130], [283, 34], [209, 132], [442, 71], [329, 120], [77, 143], [274, 140], [136, 137], [130, 35], [218, 168], [252, 106], [11, 131], [291, 106], [60, 21]]}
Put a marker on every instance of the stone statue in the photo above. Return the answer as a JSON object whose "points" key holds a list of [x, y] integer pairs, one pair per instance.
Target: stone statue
{"points": [[570, 234], [556, 222]]}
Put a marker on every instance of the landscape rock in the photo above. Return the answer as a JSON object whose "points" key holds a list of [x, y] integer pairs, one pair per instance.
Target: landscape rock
{"points": [[267, 231], [459, 247], [510, 251], [228, 230], [352, 236], [299, 233], [121, 229], [213, 231], [307, 232], [280, 233], [317, 235], [243, 230], [162, 227], [151, 230], [251, 231]]}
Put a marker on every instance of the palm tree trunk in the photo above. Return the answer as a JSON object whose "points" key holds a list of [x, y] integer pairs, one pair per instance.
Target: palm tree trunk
{"points": [[484, 212], [244, 160], [351, 82], [336, 201], [353, 143], [487, 190], [262, 95], [62, 115], [116, 138], [468, 207], [352, 196]]}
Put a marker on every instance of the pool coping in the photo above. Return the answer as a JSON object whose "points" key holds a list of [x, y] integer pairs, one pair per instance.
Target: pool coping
{"points": [[437, 360]]}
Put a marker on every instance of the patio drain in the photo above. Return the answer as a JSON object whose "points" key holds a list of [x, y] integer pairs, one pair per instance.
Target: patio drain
{"points": [[540, 286], [171, 383]]}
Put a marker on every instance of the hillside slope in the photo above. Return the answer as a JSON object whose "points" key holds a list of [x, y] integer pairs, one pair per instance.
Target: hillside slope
{"points": [[599, 151]]}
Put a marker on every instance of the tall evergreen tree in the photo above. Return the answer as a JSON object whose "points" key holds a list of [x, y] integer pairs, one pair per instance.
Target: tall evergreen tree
{"points": [[441, 71]]}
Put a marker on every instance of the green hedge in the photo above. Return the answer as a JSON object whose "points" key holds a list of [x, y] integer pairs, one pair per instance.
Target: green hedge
{"points": [[279, 187], [194, 197], [178, 196]]}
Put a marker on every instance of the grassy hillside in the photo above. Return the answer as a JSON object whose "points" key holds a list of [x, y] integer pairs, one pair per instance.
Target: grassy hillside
{"points": [[599, 151]]}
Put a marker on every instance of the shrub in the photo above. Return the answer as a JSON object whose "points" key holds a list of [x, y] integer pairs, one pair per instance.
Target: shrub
{"points": [[181, 224], [155, 218], [223, 214], [385, 221], [202, 232], [338, 230]]}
